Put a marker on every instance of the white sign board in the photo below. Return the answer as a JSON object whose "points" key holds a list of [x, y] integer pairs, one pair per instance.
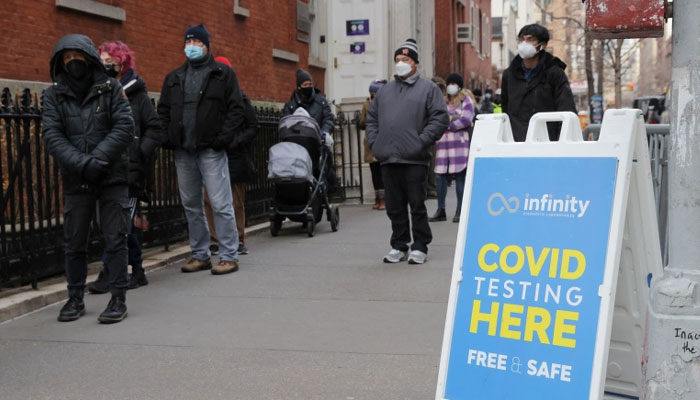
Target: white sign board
{"points": [[530, 311]]}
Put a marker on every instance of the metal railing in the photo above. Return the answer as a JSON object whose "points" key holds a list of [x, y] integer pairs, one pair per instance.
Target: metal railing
{"points": [[658, 141], [31, 218]]}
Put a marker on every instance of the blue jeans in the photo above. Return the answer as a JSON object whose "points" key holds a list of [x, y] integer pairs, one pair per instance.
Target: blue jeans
{"points": [[441, 180], [207, 168]]}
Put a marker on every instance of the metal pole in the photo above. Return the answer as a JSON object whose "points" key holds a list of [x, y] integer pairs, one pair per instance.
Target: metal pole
{"points": [[672, 363]]}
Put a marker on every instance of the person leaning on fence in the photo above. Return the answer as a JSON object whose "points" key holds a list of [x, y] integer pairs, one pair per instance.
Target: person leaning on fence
{"points": [[403, 122], [374, 165], [87, 128], [453, 147], [241, 168], [118, 60], [201, 107], [310, 98]]}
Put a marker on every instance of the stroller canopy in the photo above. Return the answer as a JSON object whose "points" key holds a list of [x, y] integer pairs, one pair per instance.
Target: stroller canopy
{"points": [[299, 124], [290, 162]]}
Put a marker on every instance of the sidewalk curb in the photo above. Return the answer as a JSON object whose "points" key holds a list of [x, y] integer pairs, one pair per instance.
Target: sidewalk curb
{"points": [[24, 302]]}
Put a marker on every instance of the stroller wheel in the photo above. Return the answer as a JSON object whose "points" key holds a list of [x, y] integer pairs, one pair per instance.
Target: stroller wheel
{"points": [[275, 225], [310, 226], [335, 219]]}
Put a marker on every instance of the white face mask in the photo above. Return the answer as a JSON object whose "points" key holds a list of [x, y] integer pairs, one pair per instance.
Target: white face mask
{"points": [[403, 69], [526, 50], [452, 90]]}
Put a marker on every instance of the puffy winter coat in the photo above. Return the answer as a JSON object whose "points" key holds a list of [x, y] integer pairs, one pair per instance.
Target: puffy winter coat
{"points": [[148, 135], [100, 127], [241, 164], [318, 108], [547, 90], [219, 108]]}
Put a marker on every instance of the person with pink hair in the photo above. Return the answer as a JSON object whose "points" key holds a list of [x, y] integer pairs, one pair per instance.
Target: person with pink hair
{"points": [[119, 62]]}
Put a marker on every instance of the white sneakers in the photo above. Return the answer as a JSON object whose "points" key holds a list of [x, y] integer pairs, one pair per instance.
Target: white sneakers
{"points": [[395, 256], [415, 257]]}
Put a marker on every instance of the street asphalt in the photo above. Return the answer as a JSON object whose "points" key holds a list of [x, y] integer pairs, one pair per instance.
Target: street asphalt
{"points": [[303, 318]]}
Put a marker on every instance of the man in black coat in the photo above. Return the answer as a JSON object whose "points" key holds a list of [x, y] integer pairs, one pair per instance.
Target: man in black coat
{"points": [[87, 128], [535, 82], [201, 106], [311, 99]]}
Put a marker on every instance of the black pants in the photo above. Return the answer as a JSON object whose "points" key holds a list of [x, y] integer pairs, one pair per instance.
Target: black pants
{"points": [[376, 170], [404, 186], [78, 210]]}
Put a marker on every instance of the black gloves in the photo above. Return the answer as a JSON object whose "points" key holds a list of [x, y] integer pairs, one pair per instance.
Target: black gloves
{"points": [[95, 169]]}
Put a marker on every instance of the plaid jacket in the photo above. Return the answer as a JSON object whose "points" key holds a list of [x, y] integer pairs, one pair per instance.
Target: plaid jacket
{"points": [[453, 148]]}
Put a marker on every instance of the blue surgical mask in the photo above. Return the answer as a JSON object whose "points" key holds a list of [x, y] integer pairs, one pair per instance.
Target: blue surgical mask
{"points": [[194, 52]]}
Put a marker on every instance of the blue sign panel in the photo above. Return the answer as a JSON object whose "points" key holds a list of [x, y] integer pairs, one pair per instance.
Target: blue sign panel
{"points": [[357, 27], [596, 109], [527, 308], [357, 48]]}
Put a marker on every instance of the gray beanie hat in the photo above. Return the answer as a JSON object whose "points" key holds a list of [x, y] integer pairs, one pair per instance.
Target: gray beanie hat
{"points": [[303, 76]]}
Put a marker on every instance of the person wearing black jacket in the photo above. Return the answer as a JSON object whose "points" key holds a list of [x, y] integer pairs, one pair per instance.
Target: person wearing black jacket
{"points": [[201, 108], [118, 60], [312, 100], [535, 82], [87, 128], [241, 168]]}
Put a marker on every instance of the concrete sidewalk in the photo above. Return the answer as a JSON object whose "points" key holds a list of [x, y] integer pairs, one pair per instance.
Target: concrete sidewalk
{"points": [[304, 318]]}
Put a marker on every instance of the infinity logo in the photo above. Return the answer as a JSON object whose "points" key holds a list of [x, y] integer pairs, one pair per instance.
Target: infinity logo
{"points": [[511, 204]]}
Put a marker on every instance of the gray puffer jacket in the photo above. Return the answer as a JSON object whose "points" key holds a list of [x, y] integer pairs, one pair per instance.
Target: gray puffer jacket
{"points": [[405, 119]]}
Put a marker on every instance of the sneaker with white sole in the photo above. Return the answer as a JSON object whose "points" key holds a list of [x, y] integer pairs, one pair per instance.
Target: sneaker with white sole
{"points": [[395, 256], [417, 257]]}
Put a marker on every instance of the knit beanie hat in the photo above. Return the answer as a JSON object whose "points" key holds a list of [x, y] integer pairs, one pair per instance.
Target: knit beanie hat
{"points": [[303, 76], [408, 48], [456, 79], [198, 32], [376, 85]]}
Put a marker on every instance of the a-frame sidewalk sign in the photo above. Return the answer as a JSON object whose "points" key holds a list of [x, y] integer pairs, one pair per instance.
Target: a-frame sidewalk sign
{"points": [[546, 230]]}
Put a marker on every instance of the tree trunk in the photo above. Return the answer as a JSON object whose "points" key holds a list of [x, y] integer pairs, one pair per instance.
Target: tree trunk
{"points": [[589, 72], [617, 66], [599, 65]]}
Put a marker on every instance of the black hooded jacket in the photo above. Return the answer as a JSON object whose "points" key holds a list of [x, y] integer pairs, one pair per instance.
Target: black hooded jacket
{"points": [[219, 107], [148, 135], [101, 126], [318, 108], [547, 90]]}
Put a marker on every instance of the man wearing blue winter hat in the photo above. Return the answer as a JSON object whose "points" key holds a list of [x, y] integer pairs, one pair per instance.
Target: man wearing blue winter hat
{"points": [[193, 100]]}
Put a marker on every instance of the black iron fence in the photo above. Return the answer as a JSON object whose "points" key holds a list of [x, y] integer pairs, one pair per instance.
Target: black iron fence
{"points": [[31, 221]]}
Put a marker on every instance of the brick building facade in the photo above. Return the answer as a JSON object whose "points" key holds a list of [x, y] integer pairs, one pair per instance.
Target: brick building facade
{"points": [[471, 55], [260, 37]]}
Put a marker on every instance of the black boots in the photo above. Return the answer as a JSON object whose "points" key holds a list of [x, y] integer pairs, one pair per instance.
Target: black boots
{"points": [[75, 308], [72, 310], [101, 285], [137, 278], [115, 311], [440, 215]]}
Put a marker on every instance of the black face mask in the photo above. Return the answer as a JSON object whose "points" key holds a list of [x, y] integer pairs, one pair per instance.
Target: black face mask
{"points": [[110, 71], [306, 92], [77, 68]]}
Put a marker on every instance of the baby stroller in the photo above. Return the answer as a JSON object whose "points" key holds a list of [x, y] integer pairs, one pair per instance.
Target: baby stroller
{"points": [[297, 168]]}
